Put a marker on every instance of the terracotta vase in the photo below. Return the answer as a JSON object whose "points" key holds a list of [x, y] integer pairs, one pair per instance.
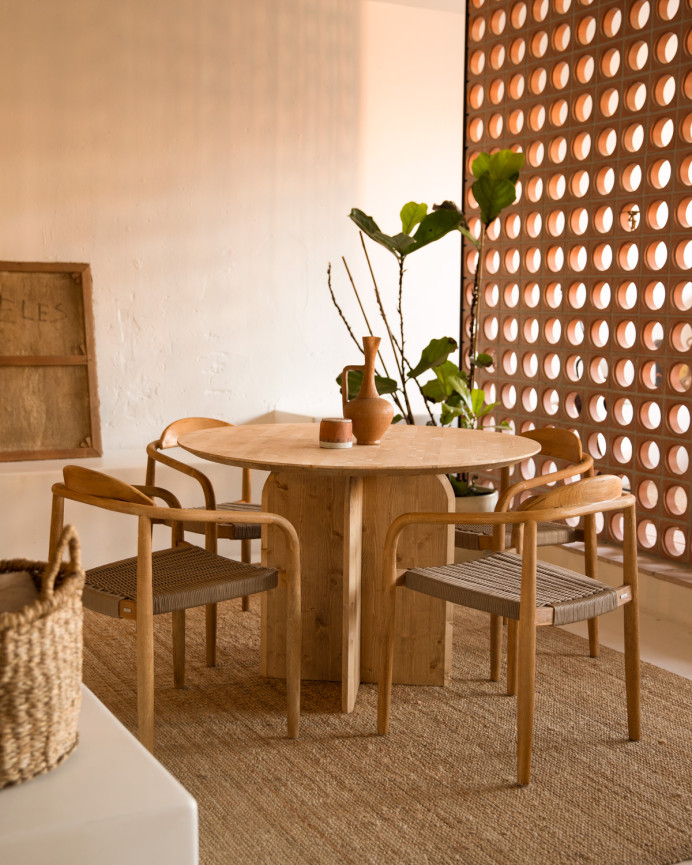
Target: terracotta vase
{"points": [[370, 414]]}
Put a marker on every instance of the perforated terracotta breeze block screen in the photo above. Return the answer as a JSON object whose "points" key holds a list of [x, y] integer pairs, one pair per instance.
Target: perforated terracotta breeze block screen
{"points": [[587, 293]]}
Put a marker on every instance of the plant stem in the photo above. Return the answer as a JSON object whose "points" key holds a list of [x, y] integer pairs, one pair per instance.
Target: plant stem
{"points": [[425, 402], [367, 323], [343, 317], [348, 327], [473, 316], [404, 362], [392, 340], [407, 413]]}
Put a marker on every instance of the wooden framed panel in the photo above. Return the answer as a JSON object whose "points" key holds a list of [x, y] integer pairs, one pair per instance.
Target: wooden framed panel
{"points": [[48, 391]]}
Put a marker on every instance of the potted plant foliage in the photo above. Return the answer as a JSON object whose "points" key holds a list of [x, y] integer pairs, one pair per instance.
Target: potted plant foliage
{"points": [[449, 392]]}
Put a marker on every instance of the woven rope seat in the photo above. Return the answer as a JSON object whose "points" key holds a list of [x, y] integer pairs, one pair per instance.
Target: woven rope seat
{"points": [[493, 585], [479, 537], [217, 579]]}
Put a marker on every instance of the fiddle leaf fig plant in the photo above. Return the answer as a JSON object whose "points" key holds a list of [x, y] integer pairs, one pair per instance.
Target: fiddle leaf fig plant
{"points": [[494, 189], [439, 380]]}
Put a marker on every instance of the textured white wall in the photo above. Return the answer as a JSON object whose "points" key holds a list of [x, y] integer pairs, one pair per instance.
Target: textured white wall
{"points": [[202, 156]]}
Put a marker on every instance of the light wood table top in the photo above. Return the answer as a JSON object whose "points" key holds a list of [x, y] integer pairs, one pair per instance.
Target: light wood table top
{"points": [[405, 450]]}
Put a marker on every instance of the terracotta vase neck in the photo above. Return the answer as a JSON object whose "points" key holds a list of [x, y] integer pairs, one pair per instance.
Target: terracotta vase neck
{"points": [[368, 390]]}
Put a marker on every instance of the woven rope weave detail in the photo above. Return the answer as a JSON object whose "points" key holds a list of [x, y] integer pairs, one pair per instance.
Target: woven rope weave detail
{"points": [[493, 584], [230, 531], [473, 537], [240, 531], [183, 577]]}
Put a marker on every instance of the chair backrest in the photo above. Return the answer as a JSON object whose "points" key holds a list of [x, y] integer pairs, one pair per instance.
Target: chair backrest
{"points": [[586, 497], [556, 443], [92, 483], [590, 493], [560, 444], [169, 439]]}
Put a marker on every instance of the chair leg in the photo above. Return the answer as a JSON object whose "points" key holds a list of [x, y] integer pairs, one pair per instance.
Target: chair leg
{"points": [[495, 647], [526, 660], [591, 570], [294, 628], [525, 700], [245, 556], [384, 689], [594, 643], [631, 613], [178, 623], [512, 652], [145, 637], [211, 618], [145, 683]]}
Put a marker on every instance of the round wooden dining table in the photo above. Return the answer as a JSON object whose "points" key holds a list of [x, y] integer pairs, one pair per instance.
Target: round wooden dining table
{"points": [[341, 502]]}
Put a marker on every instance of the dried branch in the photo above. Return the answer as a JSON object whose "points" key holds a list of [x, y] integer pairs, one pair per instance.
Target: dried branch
{"points": [[399, 358], [339, 310]]}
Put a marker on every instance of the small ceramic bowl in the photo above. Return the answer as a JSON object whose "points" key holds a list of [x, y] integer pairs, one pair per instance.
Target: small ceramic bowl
{"points": [[336, 432]]}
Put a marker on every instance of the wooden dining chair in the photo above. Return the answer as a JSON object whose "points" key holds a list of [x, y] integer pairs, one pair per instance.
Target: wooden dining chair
{"points": [[175, 579], [231, 530], [527, 592], [565, 448]]}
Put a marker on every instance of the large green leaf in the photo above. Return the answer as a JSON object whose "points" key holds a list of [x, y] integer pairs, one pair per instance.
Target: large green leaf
{"points": [[449, 385], [355, 380], [503, 165], [411, 214], [495, 186], [435, 226], [397, 245], [506, 165], [436, 352], [481, 165], [477, 400], [493, 196], [434, 390]]}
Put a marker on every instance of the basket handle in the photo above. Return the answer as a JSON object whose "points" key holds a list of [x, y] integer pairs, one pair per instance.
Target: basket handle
{"points": [[68, 536]]}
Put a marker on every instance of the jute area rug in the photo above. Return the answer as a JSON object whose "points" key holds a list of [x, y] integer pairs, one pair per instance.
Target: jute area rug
{"points": [[441, 787]]}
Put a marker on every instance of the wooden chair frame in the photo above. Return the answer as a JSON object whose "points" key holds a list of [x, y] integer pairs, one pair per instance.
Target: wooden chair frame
{"points": [[147, 514], [169, 439], [558, 504], [550, 439]]}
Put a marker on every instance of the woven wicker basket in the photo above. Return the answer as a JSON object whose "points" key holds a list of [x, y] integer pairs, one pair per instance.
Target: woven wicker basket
{"points": [[41, 667]]}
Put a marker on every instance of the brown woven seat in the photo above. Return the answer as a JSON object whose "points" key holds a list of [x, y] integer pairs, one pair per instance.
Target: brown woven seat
{"points": [[468, 537], [182, 578], [525, 591], [493, 584], [175, 579]]}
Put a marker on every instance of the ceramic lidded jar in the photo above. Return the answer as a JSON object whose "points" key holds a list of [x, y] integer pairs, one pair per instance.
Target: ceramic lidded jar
{"points": [[370, 414]]}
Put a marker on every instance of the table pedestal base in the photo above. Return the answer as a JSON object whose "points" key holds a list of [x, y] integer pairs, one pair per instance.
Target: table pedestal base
{"points": [[341, 523]]}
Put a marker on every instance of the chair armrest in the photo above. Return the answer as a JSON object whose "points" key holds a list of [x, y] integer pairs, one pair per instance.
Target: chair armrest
{"points": [[178, 465], [159, 493]]}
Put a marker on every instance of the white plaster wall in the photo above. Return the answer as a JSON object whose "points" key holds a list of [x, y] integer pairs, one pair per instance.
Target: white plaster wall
{"points": [[202, 156], [410, 150]]}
